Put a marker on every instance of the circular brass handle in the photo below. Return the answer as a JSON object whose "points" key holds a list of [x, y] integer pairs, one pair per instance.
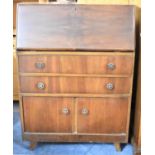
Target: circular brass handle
{"points": [[40, 85], [85, 111], [65, 111], [111, 66], [40, 65], [110, 86]]}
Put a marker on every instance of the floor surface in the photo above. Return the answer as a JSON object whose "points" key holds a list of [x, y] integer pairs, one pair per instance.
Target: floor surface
{"points": [[22, 147]]}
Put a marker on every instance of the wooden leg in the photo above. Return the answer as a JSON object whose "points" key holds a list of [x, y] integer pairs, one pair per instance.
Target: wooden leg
{"points": [[33, 145], [118, 147]]}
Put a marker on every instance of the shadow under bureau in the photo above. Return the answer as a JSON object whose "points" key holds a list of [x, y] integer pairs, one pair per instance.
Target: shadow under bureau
{"points": [[75, 66]]}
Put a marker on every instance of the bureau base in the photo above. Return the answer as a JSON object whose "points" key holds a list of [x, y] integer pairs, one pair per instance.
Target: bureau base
{"points": [[50, 137]]}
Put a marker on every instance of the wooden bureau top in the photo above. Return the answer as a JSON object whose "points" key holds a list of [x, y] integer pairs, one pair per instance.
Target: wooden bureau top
{"points": [[75, 27]]}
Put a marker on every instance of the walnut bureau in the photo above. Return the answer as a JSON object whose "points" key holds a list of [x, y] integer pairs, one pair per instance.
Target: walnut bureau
{"points": [[75, 66]]}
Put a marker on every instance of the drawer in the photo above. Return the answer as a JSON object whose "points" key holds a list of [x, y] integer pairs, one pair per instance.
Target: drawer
{"points": [[68, 84], [47, 114], [102, 115], [77, 64]]}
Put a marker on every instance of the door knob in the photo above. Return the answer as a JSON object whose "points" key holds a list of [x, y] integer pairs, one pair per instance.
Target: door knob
{"points": [[40, 85], [65, 111], [85, 111], [40, 65], [110, 86], [111, 66]]}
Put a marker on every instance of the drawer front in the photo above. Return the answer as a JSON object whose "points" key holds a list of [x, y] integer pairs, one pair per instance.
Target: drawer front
{"points": [[46, 114], [77, 64], [102, 115], [68, 84]]}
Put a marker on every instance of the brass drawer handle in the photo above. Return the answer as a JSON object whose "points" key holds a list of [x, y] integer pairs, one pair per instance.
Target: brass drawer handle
{"points": [[40, 65], [84, 111], [111, 66], [65, 111], [110, 86], [40, 85]]}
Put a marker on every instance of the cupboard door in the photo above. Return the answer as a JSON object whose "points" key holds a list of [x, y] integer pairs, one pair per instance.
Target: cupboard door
{"points": [[102, 115], [47, 114]]}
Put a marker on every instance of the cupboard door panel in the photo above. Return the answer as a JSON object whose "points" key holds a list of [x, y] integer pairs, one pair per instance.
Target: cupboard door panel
{"points": [[47, 114], [102, 115]]}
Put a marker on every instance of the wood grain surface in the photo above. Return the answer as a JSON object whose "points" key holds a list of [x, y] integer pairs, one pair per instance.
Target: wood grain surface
{"points": [[75, 27], [96, 85], [105, 115], [74, 44], [77, 64], [45, 114]]}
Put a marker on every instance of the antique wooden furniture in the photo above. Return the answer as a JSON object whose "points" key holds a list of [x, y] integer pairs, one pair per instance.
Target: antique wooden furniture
{"points": [[75, 65]]}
